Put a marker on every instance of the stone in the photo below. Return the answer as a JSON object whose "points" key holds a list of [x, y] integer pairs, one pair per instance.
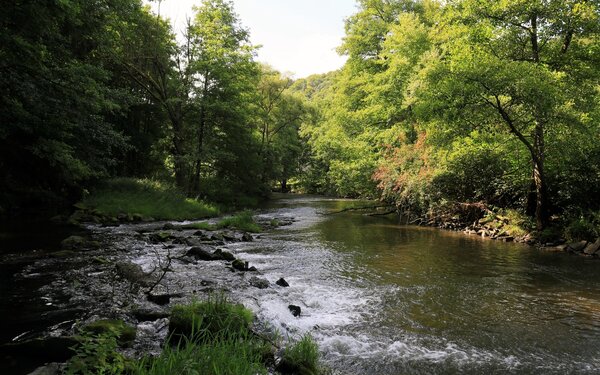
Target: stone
{"points": [[73, 242], [168, 226], [295, 310], [577, 246], [239, 265], [160, 237], [223, 255], [258, 282], [149, 315], [201, 253], [247, 237], [136, 218], [252, 269], [159, 299], [592, 248], [49, 369], [133, 273], [282, 282]]}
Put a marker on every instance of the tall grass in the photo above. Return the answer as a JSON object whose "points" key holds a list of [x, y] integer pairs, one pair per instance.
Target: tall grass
{"points": [[223, 357], [301, 357], [242, 221], [212, 319], [147, 198]]}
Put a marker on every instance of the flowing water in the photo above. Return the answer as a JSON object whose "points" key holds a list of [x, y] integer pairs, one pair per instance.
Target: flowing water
{"points": [[378, 297], [383, 298]]}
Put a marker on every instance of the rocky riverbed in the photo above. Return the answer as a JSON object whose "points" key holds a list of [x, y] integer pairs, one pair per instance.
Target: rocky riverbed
{"points": [[133, 273]]}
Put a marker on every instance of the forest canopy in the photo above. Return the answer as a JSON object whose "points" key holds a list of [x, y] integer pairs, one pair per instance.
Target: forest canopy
{"points": [[439, 102]]}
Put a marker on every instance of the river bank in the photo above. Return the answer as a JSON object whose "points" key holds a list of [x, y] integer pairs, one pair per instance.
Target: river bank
{"points": [[133, 273], [377, 296]]}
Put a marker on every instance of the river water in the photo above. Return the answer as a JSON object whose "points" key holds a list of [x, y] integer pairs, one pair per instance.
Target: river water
{"points": [[379, 298], [383, 298]]}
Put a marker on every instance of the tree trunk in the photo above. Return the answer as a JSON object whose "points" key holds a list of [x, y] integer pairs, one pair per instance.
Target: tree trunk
{"points": [[284, 188]]}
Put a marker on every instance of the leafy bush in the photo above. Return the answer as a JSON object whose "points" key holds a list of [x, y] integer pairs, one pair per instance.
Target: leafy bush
{"points": [[581, 229], [147, 198], [97, 354]]}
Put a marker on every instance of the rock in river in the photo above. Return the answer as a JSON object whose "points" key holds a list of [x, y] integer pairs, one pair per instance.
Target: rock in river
{"points": [[282, 282], [295, 310], [201, 253], [258, 282]]}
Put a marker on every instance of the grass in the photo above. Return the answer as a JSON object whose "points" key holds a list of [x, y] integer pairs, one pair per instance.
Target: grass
{"points": [[233, 356], [302, 358], [214, 338], [147, 198], [242, 221], [208, 320]]}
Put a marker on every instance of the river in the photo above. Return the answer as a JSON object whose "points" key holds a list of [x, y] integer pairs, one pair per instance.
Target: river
{"points": [[390, 299]]}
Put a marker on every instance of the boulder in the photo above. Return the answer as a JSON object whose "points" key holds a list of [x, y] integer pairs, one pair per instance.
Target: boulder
{"points": [[247, 237], [258, 282], [592, 248], [295, 310], [49, 369], [577, 247], [73, 242], [239, 265], [149, 314], [223, 255], [282, 282], [159, 299], [201, 253], [133, 273], [160, 237]]}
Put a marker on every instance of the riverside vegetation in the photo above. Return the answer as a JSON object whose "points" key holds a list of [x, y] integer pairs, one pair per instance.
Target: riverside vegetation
{"points": [[472, 115]]}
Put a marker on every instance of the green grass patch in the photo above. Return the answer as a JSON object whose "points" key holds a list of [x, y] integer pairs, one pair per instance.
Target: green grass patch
{"points": [[147, 198], [212, 319], [242, 221], [233, 356], [301, 358]]}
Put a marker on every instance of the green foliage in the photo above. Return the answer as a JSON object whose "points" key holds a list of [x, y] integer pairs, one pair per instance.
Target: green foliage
{"points": [[125, 334], [147, 198], [242, 221], [582, 229], [97, 354], [212, 319], [300, 358], [231, 356]]}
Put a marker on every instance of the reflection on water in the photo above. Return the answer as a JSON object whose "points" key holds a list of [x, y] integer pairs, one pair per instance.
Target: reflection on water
{"points": [[442, 302]]}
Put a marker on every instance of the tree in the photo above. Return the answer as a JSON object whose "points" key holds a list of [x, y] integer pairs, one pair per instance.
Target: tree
{"points": [[519, 67]]}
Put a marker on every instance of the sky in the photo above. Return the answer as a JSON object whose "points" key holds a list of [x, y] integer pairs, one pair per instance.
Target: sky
{"points": [[297, 36]]}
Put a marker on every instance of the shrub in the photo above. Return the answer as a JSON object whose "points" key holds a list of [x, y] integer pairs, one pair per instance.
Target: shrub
{"points": [[581, 229], [124, 333], [97, 354]]}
